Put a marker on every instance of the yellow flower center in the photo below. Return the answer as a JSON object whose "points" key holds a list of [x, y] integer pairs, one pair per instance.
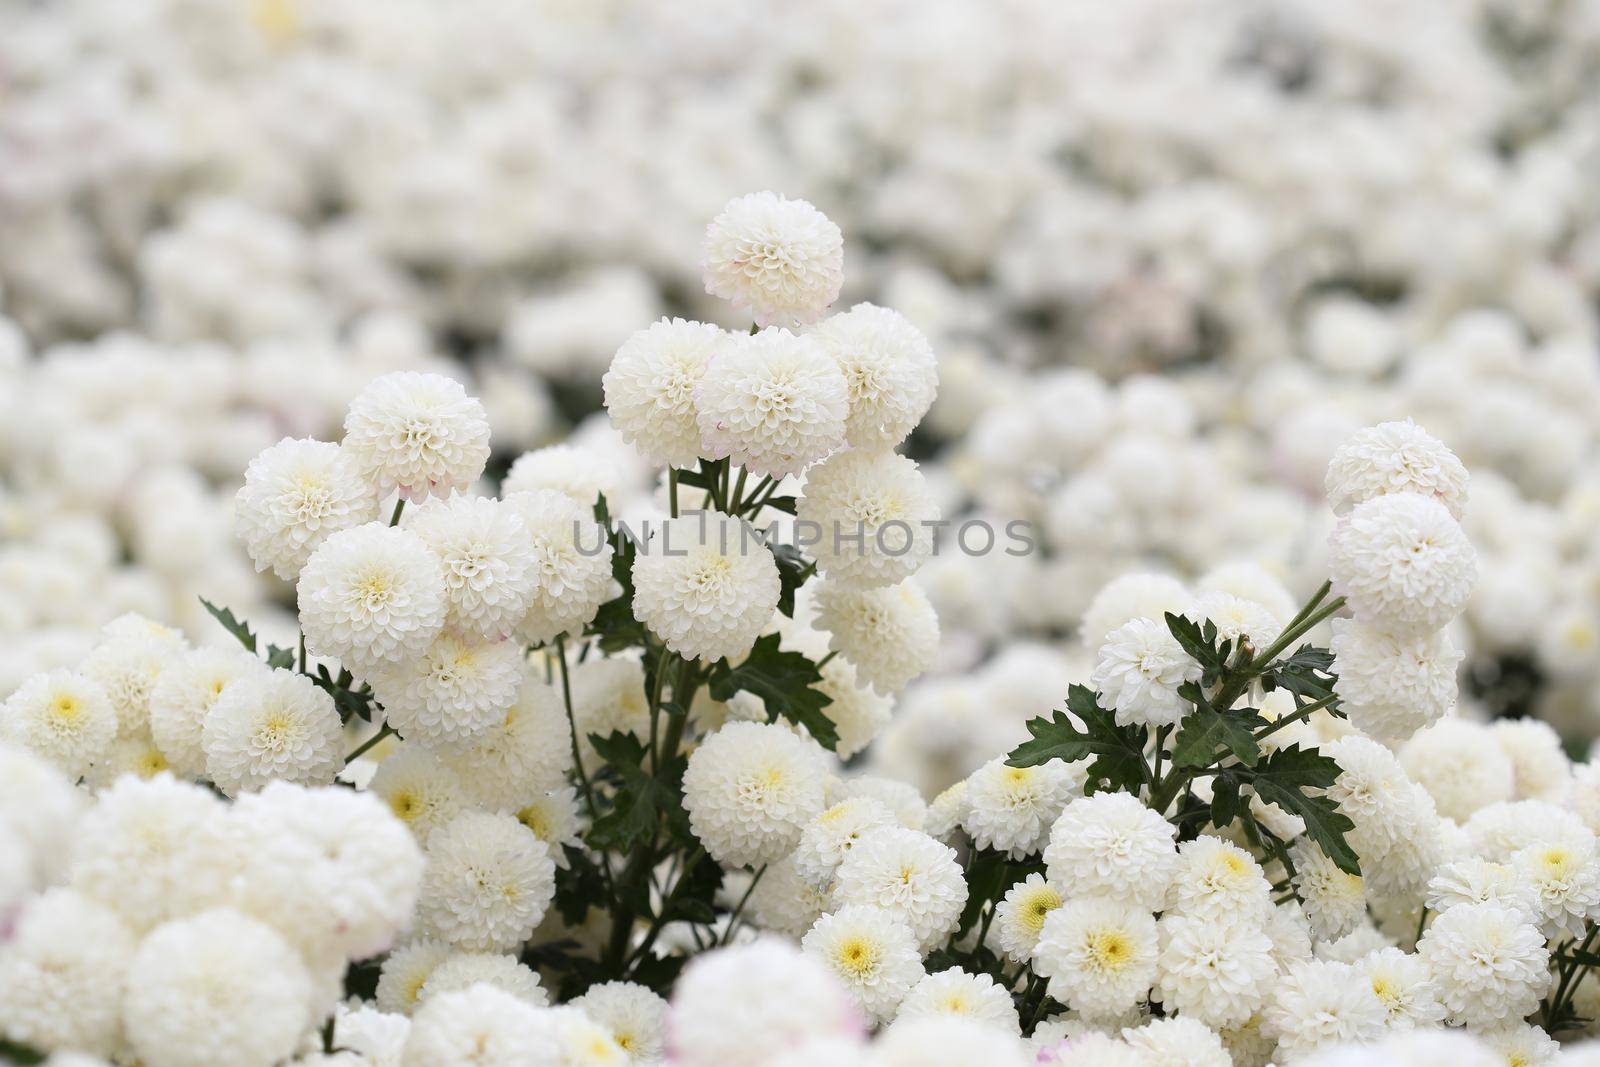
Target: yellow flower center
{"points": [[1034, 910], [856, 956], [1110, 949], [66, 709]]}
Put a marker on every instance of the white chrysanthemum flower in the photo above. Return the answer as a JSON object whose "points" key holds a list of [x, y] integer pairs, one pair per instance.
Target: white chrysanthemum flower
{"points": [[418, 434], [608, 697], [889, 371], [872, 952], [61, 974], [858, 713], [371, 595], [634, 1016], [971, 996], [889, 635], [1139, 595], [1112, 844], [422, 790], [902, 798], [1395, 457], [908, 874], [1525, 1045], [706, 588], [1479, 881], [1397, 831], [127, 665], [1321, 1003], [1099, 955], [1177, 1043], [136, 754], [1391, 686], [405, 971], [946, 1041], [295, 495], [1213, 969], [1217, 879], [582, 1042], [1538, 760], [1087, 1049], [216, 988], [452, 693], [1404, 984], [1489, 962], [750, 789], [488, 882], [1564, 876], [183, 697], [463, 970], [773, 403], [780, 259], [480, 1027], [554, 818], [1499, 831], [651, 384], [141, 849], [529, 753], [376, 1038], [1020, 915], [329, 868], [62, 715], [1402, 563], [1249, 1044], [1461, 767], [739, 1007], [571, 563], [581, 472], [785, 903], [1335, 900], [1011, 809], [272, 725], [1237, 618], [946, 811], [828, 838], [487, 558], [874, 514], [1140, 667]]}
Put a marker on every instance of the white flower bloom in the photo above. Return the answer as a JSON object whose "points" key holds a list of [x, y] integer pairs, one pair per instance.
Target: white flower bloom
{"points": [[872, 952], [608, 697], [635, 1017], [1237, 618], [295, 495], [379, 1037], [858, 713], [272, 725], [1020, 915], [1177, 1043], [739, 1007], [183, 697], [127, 665], [452, 693], [63, 716], [908, 874], [1112, 844], [1212, 969], [773, 403], [62, 973], [1217, 879], [785, 903], [1537, 759], [902, 798], [1335, 900], [1011, 809], [487, 559], [1395, 457], [889, 635], [1140, 667], [1489, 962], [889, 371], [371, 595], [707, 590], [1461, 767], [872, 511], [406, 970], [1139, 595], [1524, 1045], [1088, 1049], [828, 838], [463, 970], [581, 472], [554, 818], [1099, 954], [1402, 563], [750, 789], [1499, 831], [1405, 985], [1564, 875], [1393, 686], [956, 992], [487, 884], [420, 434], [528, 753], [1479, 881], [480, 1027], [571, 563], [780, 259], [651, 384], [1322, 1003], [216, 988]]}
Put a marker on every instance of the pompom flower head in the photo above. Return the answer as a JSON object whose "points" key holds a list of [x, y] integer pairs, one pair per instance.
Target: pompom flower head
{"points": [[1110, 843], [872, 511], [63, 716], [910, 875], [272, 725], [295, 495], [570, 566], [1139, 672], [872, 952], [707, 586], [372, 595], [651, 385], [485, 556], [487, 882], [889, 371], [774, 403], [780, 259], [1099, 955], [890, 635], [750, 789], [1395, 457], [417, 434], [1403, 563]]}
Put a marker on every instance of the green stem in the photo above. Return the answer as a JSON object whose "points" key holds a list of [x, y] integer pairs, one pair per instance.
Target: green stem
{"points": [[302, 652], [672, 490], [399, 506], [656, 924], [825, 660], [738, 492], [1302, 624], [370, 743], [738, 909], [572, 725], [1300, 715]]}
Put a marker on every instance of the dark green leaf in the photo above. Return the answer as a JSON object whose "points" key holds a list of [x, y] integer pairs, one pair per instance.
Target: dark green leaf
{"points": [[785, 682], [1205, 730], [1287, 777], [1226, 803], [1200, 642], [1308, 674], [579, 886], [280, 657], [986, 881], [641, 798], [1118, 751], [785, 504], [793, 570], [235, 626]]}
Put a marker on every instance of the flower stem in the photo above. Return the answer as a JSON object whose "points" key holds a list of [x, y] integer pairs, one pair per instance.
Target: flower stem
{"points": [[399, 506], [370, 743]]}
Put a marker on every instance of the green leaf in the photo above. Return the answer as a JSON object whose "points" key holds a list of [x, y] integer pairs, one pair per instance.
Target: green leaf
{"points": [[1205, 729], [579, 886], [1200, 642], [1284, 779], [785, 504], [280, 657], [1226, 803], [693, 897], [1118, 751], [350, 702], [785, 682], [1308, 674], [11, 1052], [986, 881], [235, 626], [641, 798], [793, 570]]}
